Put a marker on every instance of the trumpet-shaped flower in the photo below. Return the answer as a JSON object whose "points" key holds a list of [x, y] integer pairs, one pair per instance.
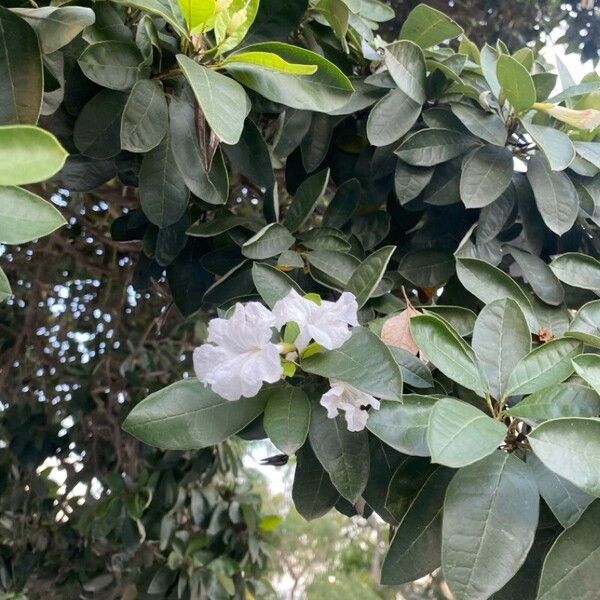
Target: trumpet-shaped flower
{"points": [[239, 355], [352, 401], [325, 323], [588, 118]]}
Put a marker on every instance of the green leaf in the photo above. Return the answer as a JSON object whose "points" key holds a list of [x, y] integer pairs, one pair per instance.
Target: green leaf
{"points": [[369, 273], [337, 15], [97, 131], [344, 454], [516, 82], [169, 10], [343, 204], [561, 400], [490, 518], [571, 567], [313, 493], [271, 240], [220, 224], [459, 318], [430, 147], [324, 91], [488, 126], [28, 155], [410, 181], [578, 270], [212, 187], [272, 284], [571, 448], [287, 417], [427, 267], [489, 283], [249, 8], [145, 119], [486, 173], [364, 362], [5, 291], [113, 64], [554, 144], [565, 500], [197, 13], [415, 549], [223, 101], [403, 426], [406, 65], [20, 71], [447, 350], [414, 371], [391, 118], [269, 60], [24, 216], [188, 415], [308, 195], [331, 268], [586, 324], [539, 276], [426, 27], [459, 434], [545, 365], [163, 194], [501, 339], [410, 475], [590, 151], [587, 366], [555, 195], [489, 62], [57, 26]]}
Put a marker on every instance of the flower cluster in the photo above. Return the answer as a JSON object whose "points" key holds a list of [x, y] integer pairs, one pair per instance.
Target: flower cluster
{"points": [[244, 351]]}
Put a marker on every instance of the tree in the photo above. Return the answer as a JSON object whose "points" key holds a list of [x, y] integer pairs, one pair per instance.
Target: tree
{"points": [[266, 158]]}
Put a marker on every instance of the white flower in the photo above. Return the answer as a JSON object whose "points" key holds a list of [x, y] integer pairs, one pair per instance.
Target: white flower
{"points": [[325, 323], [343, 396], [240, 354]]}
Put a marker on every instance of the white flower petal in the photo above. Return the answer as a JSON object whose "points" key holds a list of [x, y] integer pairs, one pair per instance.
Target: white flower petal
{"points": [[326, 323], [352, 401], [241, 355]]}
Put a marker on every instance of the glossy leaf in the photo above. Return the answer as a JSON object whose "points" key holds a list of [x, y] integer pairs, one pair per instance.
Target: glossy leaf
{"points": [[369, 273], [403, 426], [324, 91], [287, 417], [20, 71], [587, 366], [430, 147], [5, 290], [586, 324], [571, 448], [406, 65], [391, 118], [486, 173], [488, 126], [145, 117], [578, 270], [447, 350], [490, 518], [571, 566], [222, 100], [555, 195], [554, 144], [187, 415], [561, 400], [269, 241], [545, 365], [426, 27], [344, 454], [539, 276], [415, 549], [272, 284], [28, 155], [516, 82], [501, 339], [25, 216], [459, 434], [364, 362], [307, 196]]}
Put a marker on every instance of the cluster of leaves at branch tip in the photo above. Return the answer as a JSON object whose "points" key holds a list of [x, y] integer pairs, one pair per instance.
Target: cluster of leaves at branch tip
{"points": [[403, 231]]}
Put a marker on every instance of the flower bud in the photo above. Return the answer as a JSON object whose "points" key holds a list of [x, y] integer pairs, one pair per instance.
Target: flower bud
{"points": [[582, 119]]}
